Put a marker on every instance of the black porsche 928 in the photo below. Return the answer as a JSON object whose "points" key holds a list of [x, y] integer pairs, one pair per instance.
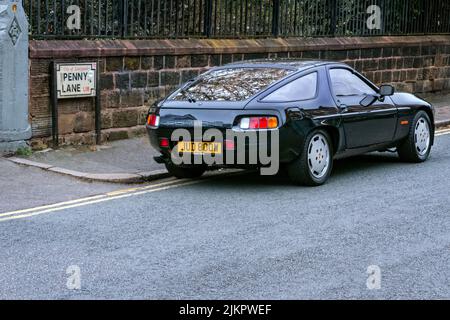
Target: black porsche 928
{"points": [[320, 110]]}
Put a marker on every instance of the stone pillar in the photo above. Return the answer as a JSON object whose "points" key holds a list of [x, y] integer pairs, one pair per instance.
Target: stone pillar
{"points": [[14, 124]]}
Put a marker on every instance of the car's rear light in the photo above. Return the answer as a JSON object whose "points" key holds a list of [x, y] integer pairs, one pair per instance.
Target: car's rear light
{"points": [[259, 123], [254, 123], [273, 122], [153, 120], [245, 123], [164, 143]]}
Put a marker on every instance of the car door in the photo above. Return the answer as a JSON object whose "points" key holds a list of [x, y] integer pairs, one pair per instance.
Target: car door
{"points": [[363, 125]]}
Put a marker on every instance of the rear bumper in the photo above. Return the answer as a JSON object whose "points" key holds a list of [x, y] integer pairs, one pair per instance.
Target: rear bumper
{"points": [[160, 159], [246, 153]]}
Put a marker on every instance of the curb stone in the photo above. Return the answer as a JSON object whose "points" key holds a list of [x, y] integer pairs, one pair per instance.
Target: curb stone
{"points": [[442, 124], [125, 178]]}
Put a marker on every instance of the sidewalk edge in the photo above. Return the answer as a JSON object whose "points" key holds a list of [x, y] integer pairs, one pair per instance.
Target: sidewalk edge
{"points": [[442, 123], [124, 178]]}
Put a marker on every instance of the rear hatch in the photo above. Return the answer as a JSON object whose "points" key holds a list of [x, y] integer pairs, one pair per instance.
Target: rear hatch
{"points": [[196, 121], [181, 116], [205, 105], [217, 117]]}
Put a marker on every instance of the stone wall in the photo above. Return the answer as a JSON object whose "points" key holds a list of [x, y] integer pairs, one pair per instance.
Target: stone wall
{"points": [[136, 73]]}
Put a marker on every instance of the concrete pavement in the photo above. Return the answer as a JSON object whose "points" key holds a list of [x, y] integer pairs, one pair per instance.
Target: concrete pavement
{"points": [[123, 161], [265, 239], [441, 102], [23, 187]]}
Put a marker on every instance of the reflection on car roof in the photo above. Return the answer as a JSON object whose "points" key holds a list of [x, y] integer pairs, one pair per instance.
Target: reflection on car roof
{"points": [[293, 64]]}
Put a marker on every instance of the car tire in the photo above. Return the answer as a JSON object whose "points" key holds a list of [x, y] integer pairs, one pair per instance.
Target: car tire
{"points": [[416, 147], [185, 172], [313, 167]]}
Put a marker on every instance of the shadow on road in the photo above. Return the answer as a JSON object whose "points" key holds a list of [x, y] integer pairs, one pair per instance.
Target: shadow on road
{"points": [[358, 165], [364, 162]]}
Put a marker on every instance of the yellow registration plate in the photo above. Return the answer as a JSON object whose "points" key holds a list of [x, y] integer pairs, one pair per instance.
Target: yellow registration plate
{"points": [[199, 147]]}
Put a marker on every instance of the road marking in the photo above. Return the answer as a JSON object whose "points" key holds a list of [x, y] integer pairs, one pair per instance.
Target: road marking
{"points": [[27, 213], [123, 191], [119, 194], [88, 198]]}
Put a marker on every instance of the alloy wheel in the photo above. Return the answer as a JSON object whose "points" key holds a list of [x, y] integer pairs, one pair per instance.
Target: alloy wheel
{"points": [[422, 136], [318, 156]]}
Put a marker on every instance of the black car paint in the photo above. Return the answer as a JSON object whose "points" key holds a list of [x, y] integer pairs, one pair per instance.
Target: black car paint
{"points": [[354, 129]]}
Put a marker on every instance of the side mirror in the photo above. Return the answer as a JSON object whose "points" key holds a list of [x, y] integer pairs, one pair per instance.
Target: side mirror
{"points": [[386, 90]]}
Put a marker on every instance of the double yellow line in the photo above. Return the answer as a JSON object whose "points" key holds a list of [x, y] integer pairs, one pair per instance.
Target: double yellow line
{"points": [[125, 193]]}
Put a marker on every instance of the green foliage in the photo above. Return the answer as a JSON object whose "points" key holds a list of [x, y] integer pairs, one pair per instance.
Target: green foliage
{"points": [[24, 152]]}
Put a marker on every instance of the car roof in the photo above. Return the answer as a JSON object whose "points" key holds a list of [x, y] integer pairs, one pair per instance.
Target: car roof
{"points": [[290, 64]]}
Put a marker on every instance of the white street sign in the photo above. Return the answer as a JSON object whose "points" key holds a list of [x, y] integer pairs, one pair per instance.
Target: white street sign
{"points": [[76, 80]]}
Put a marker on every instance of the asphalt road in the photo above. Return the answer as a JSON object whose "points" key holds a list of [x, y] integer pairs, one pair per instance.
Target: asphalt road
{"points": [[245, 237], [26, 187]]}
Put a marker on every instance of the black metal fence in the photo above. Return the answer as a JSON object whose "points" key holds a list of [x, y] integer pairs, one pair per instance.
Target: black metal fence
{"points": [[235, 18]]}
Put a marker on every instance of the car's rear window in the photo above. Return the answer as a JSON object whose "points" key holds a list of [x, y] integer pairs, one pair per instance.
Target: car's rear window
{"points": [[233, 84]]}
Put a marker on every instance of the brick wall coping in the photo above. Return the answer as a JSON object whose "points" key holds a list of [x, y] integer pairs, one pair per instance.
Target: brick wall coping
{"points": [[60, 49]]}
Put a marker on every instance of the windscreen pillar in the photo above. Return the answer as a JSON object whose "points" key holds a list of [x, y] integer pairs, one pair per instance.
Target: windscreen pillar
{"points": [[14, 124]]}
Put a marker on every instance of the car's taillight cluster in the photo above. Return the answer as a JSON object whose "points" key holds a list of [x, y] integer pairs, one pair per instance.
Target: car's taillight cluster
{"points": [[153, 120], [253, 123]]}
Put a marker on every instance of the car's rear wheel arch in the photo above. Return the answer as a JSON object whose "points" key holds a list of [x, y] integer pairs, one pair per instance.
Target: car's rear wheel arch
{"points": [[334, 135], [314, 164]]}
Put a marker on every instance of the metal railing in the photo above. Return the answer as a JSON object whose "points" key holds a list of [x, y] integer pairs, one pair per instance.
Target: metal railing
{"points": [[234, 18]]}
